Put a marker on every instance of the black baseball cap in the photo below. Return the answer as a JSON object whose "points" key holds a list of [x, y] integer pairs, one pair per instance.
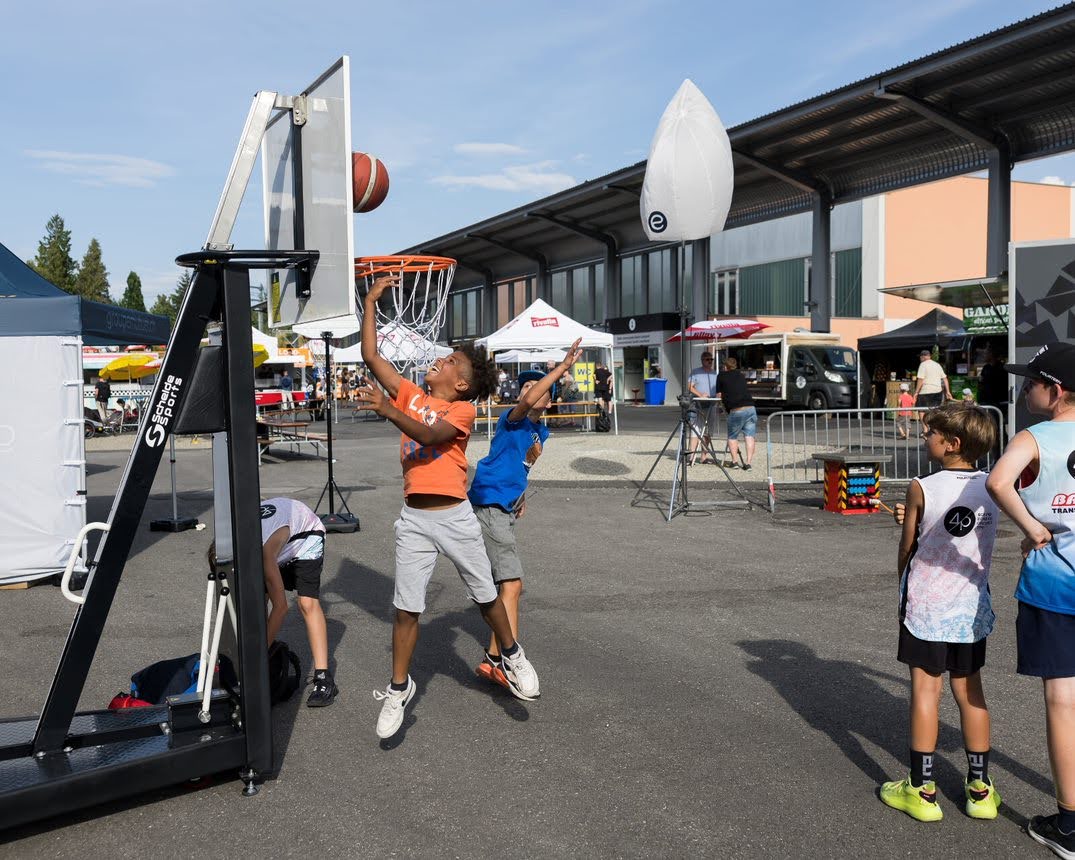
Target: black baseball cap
{"points": [[1053, 363]]}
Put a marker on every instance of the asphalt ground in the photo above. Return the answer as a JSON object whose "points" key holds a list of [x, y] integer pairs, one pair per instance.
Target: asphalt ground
{"points": [[723, 685]]}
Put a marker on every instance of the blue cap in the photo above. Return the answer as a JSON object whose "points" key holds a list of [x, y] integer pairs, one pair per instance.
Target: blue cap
{"points": [[530, 376]]}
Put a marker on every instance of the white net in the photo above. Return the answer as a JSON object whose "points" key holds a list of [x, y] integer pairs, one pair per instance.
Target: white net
{"points": [[409, 317]]}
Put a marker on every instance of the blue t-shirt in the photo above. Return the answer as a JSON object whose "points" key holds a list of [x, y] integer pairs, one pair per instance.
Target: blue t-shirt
{"points": [[500, 477]]}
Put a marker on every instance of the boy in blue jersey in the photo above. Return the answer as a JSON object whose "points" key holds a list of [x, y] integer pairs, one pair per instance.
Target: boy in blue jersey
{"points": [[1034, 484], [498, 491]]}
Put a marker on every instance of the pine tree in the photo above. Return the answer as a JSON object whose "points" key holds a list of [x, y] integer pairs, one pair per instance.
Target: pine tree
{"points": [[168, 304], [132, 296], [54, 261], [92, 279]]}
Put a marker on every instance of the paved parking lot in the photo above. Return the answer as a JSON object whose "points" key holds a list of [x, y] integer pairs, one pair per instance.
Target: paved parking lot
{"points": [[720, 686]]}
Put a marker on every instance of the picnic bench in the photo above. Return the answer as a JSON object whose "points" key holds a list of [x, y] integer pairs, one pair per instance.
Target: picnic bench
{"points": [[293, 433], [588, 411]]}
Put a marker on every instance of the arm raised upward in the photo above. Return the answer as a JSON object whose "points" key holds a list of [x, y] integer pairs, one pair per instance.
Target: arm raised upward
{"points": [[544, 385], [380, 367]]}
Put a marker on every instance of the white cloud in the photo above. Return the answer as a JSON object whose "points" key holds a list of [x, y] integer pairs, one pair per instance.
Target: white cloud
{"points": [[101, 170], [1052, 180], [525, 177], [488, 149]]}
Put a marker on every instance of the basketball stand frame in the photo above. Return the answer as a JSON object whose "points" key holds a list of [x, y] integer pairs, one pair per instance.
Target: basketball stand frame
{"points": [[63, 760]]}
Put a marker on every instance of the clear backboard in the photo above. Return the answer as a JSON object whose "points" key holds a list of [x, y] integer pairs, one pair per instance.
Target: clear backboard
{"points": [[306, 183]]}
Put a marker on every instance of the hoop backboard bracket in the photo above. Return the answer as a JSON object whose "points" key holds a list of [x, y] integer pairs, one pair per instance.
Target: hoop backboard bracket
{"points": [[305, 146]]}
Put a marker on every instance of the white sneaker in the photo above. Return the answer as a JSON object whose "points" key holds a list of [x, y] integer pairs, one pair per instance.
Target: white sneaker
{"points": [[395, 701], [522, 679]]}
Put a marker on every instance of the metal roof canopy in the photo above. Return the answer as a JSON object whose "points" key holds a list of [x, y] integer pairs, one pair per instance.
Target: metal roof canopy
{"points": [[984, 104], [971, 293]]}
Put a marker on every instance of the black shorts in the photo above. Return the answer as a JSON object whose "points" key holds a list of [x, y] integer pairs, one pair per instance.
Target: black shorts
{"points": [[1045, 643], [303, 576], [959, 658], [600, 393]]}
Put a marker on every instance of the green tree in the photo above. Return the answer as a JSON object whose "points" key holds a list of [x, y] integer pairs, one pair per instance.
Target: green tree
{"points": [[132, 296], [168, 304], [91, 282], [54, 261]]}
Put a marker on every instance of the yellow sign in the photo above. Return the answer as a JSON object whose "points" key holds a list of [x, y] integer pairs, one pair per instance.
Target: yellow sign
{"points": [[583, 371]]}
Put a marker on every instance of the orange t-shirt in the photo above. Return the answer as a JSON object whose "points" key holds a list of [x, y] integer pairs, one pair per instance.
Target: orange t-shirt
{"points": [[435, 469], [907, 403]]}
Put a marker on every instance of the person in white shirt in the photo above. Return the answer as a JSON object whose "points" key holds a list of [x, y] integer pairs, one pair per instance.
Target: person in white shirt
{"points": [[931, 388]]}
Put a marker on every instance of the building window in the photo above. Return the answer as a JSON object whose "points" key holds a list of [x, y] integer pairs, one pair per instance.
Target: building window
{"points": [[559, 299], [848, 299], [723, 297], [662, 282], [632, 297], [772, 289], [473, 318], [581, 299]]}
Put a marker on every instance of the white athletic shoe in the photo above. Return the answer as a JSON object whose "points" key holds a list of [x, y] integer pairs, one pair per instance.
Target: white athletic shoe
{"points": [[391, 717], [522, 679]]}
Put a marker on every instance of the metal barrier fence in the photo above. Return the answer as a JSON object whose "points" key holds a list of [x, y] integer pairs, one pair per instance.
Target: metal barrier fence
{"points": [[791, 438]]}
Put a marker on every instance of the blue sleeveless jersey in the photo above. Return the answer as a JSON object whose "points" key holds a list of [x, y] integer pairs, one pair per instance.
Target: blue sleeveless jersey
{"points": [[1047, 579]]}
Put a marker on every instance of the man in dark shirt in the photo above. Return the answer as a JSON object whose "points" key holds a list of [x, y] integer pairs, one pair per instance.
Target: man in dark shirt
{"points": [[101, 392], [602, 391], [742, 416]]}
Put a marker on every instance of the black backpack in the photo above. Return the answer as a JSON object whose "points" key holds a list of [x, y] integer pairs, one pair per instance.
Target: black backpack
{"points": [[602, 423], [283, 682], [165, 678]]}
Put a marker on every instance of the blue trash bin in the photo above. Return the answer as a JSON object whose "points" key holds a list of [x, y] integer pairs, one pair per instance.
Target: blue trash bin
{"points": [[655, 391]]}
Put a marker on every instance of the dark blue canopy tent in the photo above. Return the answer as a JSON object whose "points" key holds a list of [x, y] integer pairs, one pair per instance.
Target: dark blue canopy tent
{"points": [[30, 305], [42, 329]]}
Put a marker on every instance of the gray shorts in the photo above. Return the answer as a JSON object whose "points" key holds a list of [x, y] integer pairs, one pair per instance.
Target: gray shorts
{"points": [[498, 529], [421, 536]]}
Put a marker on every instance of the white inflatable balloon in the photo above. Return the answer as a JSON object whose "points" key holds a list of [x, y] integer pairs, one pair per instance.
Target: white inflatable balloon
{"points": [[689, 177]]}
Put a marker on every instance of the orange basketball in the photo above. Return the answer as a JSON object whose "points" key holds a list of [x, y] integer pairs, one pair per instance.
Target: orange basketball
{"points": [[369, 182]]}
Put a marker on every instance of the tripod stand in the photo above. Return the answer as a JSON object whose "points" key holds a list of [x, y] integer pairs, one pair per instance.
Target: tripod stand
{"points": [[685, 431], [344, 521]]}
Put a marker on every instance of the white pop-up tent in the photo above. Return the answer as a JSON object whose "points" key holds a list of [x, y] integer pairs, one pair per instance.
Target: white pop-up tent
{"points": [[523, 356], [542, 327]]}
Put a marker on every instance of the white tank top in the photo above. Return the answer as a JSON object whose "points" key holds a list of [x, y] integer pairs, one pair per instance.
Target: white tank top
{"points": [[1047, 578], [945, 589], [302, 523]]}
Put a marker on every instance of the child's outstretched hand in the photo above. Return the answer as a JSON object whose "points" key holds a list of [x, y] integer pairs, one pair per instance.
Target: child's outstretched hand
{"points": [[380, 284], [370, 397], [573, 355]]}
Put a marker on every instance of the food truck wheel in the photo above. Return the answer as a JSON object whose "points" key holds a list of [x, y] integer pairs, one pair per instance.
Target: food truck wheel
{"points": [[817, 401]]}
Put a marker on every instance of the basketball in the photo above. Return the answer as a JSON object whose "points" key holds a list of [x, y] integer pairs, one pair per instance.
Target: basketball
{"points": [[369, 182]]}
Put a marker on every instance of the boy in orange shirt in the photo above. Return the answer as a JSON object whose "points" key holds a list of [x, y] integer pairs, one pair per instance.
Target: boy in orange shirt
{"points": [[903, 417], [437, 516]]}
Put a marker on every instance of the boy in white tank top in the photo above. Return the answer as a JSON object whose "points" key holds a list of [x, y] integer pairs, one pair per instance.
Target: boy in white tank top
{"points": [[1040, 461], [945, 550]]}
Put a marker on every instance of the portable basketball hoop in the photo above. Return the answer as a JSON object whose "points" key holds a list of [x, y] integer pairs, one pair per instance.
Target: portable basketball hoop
{"points": [[417, 308]]}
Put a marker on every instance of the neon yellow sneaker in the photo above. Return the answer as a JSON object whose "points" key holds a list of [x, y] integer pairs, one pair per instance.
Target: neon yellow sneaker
{"points": [[919, 802], [983, 799]]}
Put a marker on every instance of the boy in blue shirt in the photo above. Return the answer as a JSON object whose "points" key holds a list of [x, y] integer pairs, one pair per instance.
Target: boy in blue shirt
{"points": [[498, 491]]}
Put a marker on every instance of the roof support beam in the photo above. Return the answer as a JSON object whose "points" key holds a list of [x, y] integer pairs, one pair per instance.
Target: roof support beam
{"points": [[820, 303], [536, 257], [797, 178], [612, 262], [967, 130]]}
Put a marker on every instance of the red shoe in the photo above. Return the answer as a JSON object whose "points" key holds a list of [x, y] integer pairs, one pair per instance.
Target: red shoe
{"points": [[490, 672]]}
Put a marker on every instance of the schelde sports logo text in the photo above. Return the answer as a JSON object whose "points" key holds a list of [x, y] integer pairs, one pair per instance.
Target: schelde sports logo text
{"points": [[161, 416], [1064, 503], [538, 322]]}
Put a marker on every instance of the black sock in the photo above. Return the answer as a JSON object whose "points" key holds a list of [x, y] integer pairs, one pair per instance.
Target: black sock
{"points": [[399, 688], [921, 767], [321, 674], [509, 652], [977, 766], [493, 658], [1065, 820]]}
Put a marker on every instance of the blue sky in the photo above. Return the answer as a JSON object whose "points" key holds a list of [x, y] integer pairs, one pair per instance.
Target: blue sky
{"points": [[123, 116]]}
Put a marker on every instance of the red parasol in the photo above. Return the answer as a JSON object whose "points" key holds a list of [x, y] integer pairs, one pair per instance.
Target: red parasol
{"points": [[716, 329]]}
